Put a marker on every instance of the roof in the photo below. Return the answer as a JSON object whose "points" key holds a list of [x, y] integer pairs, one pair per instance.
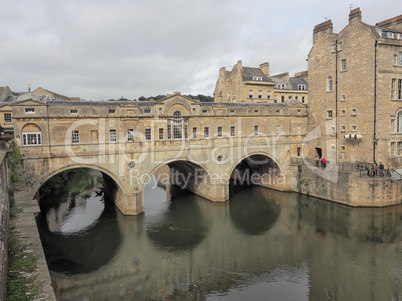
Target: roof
{"points": [[250, 72], [296, 81]]}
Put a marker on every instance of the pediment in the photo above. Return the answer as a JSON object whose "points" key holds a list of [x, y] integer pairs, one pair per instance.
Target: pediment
{"points": [[177, 98], [29, 102]]}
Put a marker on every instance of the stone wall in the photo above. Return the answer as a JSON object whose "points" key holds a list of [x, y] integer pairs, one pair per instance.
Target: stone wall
{"points": [[5, 185], [349, 188]]}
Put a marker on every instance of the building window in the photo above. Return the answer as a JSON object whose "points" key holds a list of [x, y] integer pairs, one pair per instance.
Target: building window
{"points": [[400, 58], [7, 118], [204, 111], [112, 135], [340, 46], [169, 129], [278, 129], [147, 111], [343, 148], [276, 99], [333, 48], [303, 99], [219, 131], [353, 128], [148, 135], [299, 129], [297, 97], [256, 111], [250, 94], [74, 111], [343, 65], [75, 137], [259, 93], [332, 130], [256, 130], [194, 133], [392, 149], [31, 138], [343, 112], [160, 133], [206, 132], [343, 128], [282, 99], [232, 111], [257, 78], [329, 84], [329, 114], [301, 87], [269, 94], [234, 96], [232, 131], [112, 111], [177, 125], [29, 110], [399, 122], [399, 148], [228, 83], [392, 125], [396, 89], [228, 95], [343, 98], [395, 59], [354, 112], [130, 135], [299, 151]]}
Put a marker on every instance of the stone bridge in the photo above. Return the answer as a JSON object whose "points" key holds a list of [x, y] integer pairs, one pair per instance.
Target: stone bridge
{"points": [[207, 146]]}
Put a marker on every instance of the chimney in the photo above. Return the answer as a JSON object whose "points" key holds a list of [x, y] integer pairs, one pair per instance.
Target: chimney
{"points": [[264, 67], [222, 72], [355, 15], [323, 28]]}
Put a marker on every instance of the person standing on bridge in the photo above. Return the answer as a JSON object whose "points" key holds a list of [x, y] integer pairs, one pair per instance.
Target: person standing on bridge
{"points": [[323, 162]]}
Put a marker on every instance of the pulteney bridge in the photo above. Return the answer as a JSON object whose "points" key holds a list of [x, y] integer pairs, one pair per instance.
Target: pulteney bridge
{"points": [[207, 146]]}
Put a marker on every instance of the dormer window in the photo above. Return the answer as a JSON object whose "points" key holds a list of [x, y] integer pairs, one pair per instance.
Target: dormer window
{"points": [[281, 86], [257, 78], [301, 87]]}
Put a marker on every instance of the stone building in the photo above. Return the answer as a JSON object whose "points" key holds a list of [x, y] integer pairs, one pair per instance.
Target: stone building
{"points": [[355, 91], [255, 85], [52, 95], [6, 117]]}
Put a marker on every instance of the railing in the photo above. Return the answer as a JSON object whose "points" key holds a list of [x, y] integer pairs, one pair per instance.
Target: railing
{"points": [[357, 166]]}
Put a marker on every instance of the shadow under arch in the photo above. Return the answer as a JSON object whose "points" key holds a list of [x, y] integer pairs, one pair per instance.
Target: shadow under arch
{"points": [[254, 169], [117, 181]]}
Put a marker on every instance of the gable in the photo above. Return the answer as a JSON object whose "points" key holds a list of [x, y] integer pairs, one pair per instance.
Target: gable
{"points": [[29, 102]]}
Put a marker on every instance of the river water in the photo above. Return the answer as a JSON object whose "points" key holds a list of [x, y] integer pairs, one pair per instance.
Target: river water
{"points": [[261, 245]]}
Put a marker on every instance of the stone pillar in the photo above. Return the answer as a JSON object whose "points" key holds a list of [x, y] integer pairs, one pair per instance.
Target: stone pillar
{"points": [[130, 203]]}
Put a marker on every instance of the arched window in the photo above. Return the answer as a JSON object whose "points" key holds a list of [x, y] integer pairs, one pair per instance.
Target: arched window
{"points": [[329, 84], [399, 122], [177, 125], [31, 135]]}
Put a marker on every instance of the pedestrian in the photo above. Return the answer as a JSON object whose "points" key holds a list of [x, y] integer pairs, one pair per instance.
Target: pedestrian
{"points": [[389, 171], [373, 170], [323, 162], [381, 169]]}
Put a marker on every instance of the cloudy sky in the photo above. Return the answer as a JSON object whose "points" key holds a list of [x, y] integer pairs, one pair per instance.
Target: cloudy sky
{"points": [[107, 49]]}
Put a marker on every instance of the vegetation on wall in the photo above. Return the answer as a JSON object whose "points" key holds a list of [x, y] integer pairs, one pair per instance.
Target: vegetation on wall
{"points": [[15, 163]]}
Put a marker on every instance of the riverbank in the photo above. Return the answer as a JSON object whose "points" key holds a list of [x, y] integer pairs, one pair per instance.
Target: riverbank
{"points": [[24, 226]]}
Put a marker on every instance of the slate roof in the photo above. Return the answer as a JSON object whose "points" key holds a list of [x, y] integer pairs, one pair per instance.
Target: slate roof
{"points": [[249, 73], [295, 81]]}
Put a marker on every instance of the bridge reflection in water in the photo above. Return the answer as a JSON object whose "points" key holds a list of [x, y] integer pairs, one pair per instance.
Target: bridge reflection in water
{"points": [[262, 244]]}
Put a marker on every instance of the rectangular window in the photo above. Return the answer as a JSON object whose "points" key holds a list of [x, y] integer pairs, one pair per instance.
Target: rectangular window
{"points": [[219, 131], [392, 125], [332, 130], [343, 112], [7, 118], [232, 111], [299, 151], [130, 135], [354, 112], [232, 131], [75, 137], [303, 99], [299, 129], [353, 128], [269, 94], [343, 98], [340, 46], [74, 111], [259, 93], [399, 148], [278, 129], [204, 111], [112, 111], [276, 99], [256, 130], [160, 133], [333, 49], [206, 132], [343, 65], [112, 136], [400, 58], [395, 60], [31, 138], [329, 114], [148, 135], [169, 129], [250, 94], [399, 89], [29, 110], [343, 128], [228, 95], [234, 96], [147, 111], [194, 133], [283, 99], [256, 111], [392, 149]]}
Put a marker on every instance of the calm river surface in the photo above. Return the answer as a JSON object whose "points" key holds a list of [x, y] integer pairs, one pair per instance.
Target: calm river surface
{"points": [[261, 245]]}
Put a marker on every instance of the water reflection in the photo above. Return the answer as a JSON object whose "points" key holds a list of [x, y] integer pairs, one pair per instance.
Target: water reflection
{"points": [[263, 244]]}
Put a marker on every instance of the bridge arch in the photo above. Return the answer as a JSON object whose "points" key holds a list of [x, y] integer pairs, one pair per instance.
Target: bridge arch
{"points": [[257, 168], [120, 185]]}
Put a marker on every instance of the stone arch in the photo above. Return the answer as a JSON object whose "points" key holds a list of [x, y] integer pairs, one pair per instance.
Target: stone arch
{"points": [[120, 185], [182, 108], [31, 134]]}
